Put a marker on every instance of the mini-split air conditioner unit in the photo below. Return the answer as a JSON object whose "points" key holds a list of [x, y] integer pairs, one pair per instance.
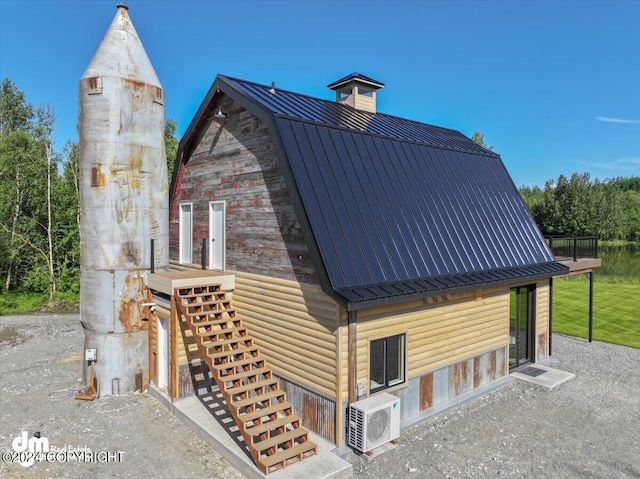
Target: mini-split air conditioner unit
{"points": [[374, 421]]}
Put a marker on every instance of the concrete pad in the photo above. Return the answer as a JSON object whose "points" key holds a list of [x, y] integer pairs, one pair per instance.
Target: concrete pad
{"points": [[211, 422], [542, 376]]}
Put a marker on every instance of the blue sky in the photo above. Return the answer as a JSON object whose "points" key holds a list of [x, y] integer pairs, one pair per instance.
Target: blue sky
{"points": [[553, 85]]}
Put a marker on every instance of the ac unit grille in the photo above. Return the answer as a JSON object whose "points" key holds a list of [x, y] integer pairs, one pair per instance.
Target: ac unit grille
{"points": [[356, 430], [378, 426]]}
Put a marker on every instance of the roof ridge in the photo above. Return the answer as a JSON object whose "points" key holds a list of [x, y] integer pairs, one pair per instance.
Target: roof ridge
{"points": [[366, 113]]}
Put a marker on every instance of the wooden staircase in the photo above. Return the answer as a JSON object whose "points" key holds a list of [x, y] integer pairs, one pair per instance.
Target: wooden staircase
{"points": [[271, 431]]}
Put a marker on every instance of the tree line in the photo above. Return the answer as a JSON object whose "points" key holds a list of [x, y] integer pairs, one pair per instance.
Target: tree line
{"points": [[40, 200], [579, 206]]}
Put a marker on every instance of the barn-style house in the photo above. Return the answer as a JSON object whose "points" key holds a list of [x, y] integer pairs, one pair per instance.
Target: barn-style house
{"points": [[331, 253]]}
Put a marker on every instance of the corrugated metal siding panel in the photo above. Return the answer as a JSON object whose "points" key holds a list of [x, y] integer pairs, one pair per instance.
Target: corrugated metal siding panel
{"points": [[384, 211], [317, 412]]}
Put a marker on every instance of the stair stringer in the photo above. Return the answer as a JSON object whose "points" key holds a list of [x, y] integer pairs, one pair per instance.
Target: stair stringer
{"points": [[271, 431]]}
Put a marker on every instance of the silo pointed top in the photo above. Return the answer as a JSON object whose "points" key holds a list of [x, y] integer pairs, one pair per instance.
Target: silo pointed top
{"points": [[121, 54]]}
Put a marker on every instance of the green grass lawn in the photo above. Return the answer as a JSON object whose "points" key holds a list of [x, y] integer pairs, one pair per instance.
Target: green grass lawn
{"points": [[20, 302], [616, 310]]}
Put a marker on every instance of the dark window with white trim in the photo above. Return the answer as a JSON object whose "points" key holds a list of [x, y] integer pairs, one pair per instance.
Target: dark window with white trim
{"points": [[386, 362]]}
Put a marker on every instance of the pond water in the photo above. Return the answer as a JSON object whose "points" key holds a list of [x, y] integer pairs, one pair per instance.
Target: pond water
{"points": [[621, 262]]}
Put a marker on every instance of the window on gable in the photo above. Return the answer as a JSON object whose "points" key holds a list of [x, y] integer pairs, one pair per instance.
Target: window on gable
{"points": [[386, 362]]}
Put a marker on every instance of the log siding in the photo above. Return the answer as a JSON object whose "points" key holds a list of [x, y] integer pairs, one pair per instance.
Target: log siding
{"points": [[439, 331], [296, 327]]}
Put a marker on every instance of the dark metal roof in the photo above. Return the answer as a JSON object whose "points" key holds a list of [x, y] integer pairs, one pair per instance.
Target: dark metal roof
{"points": [[355, 76], [330, 113], [390, 212], [394, 209]]}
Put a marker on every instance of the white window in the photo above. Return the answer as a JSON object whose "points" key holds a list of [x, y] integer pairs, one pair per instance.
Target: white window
{"points": [[186, 233]]}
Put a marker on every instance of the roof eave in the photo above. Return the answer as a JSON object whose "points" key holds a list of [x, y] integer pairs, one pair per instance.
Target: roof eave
{"points": [[401, 298]]}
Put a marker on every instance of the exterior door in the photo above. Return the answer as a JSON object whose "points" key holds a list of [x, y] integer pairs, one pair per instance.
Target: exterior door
{"points": [[521, 325], [186, 233], [217, 245], [163, 353]]}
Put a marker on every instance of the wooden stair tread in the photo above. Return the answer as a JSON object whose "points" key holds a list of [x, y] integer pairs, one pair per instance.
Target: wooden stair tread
{"points": [[183, 294], [265, 411], [252, 386], [240, 362], [282, 456], [215, 312], [270, 425], [214, 322], [280, 438], [258, 398], [207, 303], [232, 352], [226, 342], [245, 374], [205, 333]]}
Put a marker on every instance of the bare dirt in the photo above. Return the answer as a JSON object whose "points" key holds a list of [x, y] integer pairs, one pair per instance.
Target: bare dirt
{"points": [[588, 427]]}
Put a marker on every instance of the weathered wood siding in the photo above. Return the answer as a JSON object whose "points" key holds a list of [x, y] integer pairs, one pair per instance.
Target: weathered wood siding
{"points": [[235, 161], [439, 331], [296, 327]]}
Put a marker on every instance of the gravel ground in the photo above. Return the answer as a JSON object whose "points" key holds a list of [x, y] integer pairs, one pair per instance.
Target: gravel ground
{"points": [[587, 427]]}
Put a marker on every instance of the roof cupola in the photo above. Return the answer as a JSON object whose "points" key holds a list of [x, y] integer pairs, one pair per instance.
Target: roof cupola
{"points": [[357, 90]]}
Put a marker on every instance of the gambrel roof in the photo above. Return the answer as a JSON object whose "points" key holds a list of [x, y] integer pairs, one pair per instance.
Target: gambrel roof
{"points": [[392, 209]]}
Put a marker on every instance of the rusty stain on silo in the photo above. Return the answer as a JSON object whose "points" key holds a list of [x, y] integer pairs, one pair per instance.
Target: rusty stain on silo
{"points": [[123, 200], [97, 177]]}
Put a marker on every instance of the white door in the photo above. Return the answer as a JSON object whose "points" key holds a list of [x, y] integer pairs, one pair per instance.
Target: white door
{"points": [[163, 353], [216, 235], [186, 233]]}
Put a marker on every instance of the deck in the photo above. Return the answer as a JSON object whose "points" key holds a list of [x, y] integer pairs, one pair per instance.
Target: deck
{"points": [[579, 265], [166, 282]]}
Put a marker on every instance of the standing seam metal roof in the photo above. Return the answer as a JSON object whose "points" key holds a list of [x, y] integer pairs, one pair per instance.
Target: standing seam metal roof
{"points": [[330, 113], [398, 209]]}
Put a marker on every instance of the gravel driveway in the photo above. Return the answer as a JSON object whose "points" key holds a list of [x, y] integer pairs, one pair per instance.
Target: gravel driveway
{"points": [[587, 427]]}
